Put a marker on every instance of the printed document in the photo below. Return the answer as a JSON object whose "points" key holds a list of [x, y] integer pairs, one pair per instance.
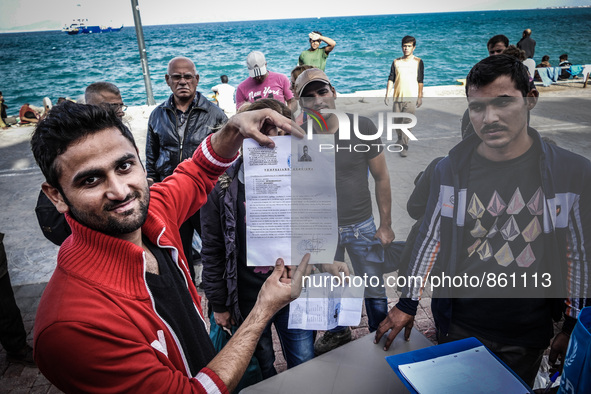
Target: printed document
{"points": [[290, 201], [326, 301]]}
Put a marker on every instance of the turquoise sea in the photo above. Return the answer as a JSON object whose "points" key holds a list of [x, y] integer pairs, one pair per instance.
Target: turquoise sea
{"points": [[35, 65]]}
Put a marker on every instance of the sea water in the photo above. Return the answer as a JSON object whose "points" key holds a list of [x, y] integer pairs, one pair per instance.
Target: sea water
{"points": [[54, 64]]}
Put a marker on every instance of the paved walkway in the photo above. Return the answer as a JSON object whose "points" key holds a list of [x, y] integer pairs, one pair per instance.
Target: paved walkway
{"points": [[31, 258], [15, 378]]}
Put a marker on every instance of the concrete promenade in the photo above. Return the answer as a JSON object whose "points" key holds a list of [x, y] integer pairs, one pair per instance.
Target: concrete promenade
{"points": [[31, 258]]}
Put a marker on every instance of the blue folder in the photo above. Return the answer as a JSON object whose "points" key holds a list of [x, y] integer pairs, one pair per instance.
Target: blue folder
{"points": [[438, 351]]}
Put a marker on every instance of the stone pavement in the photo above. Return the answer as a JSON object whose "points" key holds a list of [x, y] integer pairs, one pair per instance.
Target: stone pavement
{"points": [[31, 258], [16, 378]]}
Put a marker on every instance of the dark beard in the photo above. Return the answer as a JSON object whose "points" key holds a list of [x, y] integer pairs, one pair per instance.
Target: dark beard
{"points": [[112, 226]]}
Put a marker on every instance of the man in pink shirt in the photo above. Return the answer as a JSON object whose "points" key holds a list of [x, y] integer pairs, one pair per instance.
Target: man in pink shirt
{"points": [[263, 83]]}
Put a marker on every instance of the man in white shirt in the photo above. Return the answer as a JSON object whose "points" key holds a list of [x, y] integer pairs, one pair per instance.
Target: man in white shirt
{"points": [[224, 95]]}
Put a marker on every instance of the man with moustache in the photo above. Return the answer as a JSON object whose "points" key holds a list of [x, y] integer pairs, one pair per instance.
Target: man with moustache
{"points": [[503, 202], [496, 45]]}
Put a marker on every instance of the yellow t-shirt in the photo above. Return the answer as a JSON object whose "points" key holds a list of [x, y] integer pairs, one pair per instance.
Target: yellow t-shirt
{"points": [[407, 75]]}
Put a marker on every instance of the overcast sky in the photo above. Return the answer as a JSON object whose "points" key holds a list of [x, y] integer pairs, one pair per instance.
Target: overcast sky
{"points": [[52, 14]]}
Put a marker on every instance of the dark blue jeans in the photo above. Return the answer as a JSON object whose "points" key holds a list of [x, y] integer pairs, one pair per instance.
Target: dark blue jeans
{"points": [[13, 336], [297, 345], [358, 240]]}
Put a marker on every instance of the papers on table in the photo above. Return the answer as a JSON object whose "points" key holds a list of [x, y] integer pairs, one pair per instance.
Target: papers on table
{"points": [[290, 201], [464, 366], [326, 301]]}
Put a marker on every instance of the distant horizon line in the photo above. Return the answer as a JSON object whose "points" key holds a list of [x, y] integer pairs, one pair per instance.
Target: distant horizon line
{"points": [[17, 30]]}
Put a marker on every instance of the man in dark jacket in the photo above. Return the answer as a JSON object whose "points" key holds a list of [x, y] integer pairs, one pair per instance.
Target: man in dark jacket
{"points": [[527, 43], [503, 202], [176, 128]]}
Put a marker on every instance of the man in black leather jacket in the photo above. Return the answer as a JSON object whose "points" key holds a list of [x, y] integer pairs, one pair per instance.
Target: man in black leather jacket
{"points": [[176, 128]]}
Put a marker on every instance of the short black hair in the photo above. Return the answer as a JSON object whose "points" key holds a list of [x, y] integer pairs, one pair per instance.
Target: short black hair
{"points": [[498, 38], [64, 125], [545, 58], [411, 39], [224, 78], [563, 56], [492, 67]]}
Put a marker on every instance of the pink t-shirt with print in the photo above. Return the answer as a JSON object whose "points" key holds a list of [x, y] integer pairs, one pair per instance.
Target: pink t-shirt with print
{"points": [[275, 86]]}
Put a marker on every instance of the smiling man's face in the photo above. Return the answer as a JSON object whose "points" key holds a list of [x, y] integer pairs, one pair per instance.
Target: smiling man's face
{"points": [[104, 184]]}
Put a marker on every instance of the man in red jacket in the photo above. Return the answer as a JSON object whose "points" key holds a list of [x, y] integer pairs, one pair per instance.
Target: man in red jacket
{"points": [[120, 312]]}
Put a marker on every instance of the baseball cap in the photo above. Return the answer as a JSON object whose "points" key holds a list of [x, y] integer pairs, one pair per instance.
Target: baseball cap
{"points": [[256, 63], [309, 76]]}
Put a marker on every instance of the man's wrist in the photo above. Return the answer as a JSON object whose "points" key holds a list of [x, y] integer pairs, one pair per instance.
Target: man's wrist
{"points": [[408, 306], [219, 308], [210, 159], [262, 313], [568, 325], [226, 142], [386, 223]]}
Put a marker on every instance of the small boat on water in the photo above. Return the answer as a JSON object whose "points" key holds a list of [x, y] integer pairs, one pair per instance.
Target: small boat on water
{"points": [[79, 27]]}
